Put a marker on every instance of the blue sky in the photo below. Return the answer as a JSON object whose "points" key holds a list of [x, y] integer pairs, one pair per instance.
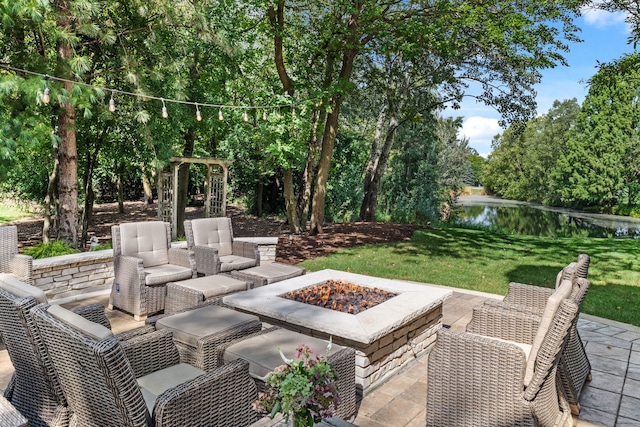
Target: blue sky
{"points": [[604, 38]]}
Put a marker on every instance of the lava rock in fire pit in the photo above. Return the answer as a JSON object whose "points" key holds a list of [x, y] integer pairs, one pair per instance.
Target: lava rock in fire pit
{"points": [[341, 296]]}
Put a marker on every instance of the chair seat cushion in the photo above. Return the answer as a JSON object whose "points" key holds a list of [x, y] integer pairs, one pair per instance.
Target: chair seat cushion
{"points": [[189, 326], [161, 274], [156, 383], [262, 353], [214, 285], [234, 262]]}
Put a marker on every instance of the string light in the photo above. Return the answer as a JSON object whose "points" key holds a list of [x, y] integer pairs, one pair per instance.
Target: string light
{"points": [[293, 111], [112, 104], [245, 117], [198, 115], [45, 96], [165, 114]]}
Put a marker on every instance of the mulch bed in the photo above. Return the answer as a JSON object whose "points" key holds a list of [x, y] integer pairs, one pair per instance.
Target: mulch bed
{"points": [[291, 249]]}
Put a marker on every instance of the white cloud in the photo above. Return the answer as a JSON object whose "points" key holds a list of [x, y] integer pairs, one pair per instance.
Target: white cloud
{"points": [[480, 131], [601, 18]]}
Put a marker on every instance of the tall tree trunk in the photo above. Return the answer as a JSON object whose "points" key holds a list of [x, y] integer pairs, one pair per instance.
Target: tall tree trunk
{"points": [[147, 187], [290, 202], [378, 158], [89, 194], [183, 179], [51, 197], [67, 151], [120, 189], [328, 142], [259, 196]]}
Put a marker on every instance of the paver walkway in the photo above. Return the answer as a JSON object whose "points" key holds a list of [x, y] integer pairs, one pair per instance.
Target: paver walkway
{"points": [[611, 399]]}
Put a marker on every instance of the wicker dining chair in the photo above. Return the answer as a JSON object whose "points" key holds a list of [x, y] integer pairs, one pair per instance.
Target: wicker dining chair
{"points": [[574, 368], [11, 261], [139, 382], [215, 249], [34, 388], [476, 380], [144, 262]]}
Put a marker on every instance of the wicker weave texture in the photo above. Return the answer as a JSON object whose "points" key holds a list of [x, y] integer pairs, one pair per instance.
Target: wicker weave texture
{"points": [[207, 259], [11, 261], [129, 291], [474, 380], [100, 382]]}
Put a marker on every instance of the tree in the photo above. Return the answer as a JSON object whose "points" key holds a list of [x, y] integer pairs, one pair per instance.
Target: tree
{"points": [[599, 162]]}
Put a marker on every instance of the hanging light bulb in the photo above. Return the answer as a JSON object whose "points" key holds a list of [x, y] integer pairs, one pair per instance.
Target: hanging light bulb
{"points": [[264, 115], [112, 104], [165, 113], [220, 116], [198, 115], [245, 117], [293, 111], [46, 96], [279, 114]]}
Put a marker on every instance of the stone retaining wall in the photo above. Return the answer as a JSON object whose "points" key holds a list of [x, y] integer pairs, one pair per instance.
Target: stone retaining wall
{"points": [[68, 275]]}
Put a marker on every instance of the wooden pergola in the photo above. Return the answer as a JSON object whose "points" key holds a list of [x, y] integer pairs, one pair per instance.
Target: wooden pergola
{"points": [[215, 189]]}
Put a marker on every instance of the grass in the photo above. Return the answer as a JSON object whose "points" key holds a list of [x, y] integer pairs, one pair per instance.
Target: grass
{"points": [[10, 212], [484, 261]]}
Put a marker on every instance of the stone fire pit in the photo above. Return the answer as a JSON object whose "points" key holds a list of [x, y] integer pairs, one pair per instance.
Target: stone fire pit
{"points": [[385, 337]]}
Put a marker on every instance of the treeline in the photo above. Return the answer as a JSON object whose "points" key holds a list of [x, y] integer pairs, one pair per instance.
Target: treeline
{"points": [[579, 156]]}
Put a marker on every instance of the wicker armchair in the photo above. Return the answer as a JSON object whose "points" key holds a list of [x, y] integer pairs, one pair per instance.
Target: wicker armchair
{"points": [[215, 250], [11, 261], [144, 262], [574, 368], [475, 380], [139, 382], [34, 388]]}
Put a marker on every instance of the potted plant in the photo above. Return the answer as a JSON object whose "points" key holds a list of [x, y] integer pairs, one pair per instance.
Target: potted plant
{"points": [[303, 389]]}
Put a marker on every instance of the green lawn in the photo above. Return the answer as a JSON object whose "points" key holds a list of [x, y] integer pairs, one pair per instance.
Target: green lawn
{"points": [[13, 212], [484, 261]]}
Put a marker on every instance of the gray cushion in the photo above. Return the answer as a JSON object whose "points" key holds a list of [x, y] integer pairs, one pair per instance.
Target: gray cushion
{"points": [[17, 287], [161, 274], [156, 383], [79, 323], [189, 326], [275, 271], [145, 240], [214, 285], [234, 262], [262, 351], [215, 233]]}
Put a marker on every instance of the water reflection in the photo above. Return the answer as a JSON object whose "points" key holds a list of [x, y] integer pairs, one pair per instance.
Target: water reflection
{"points": [[539, 220]]}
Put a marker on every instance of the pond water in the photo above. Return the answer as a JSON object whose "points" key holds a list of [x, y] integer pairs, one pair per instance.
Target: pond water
{"points": [[533, 219]]}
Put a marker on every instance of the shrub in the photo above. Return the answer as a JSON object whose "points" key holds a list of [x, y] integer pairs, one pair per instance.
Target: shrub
{"points": [[50, 249]]}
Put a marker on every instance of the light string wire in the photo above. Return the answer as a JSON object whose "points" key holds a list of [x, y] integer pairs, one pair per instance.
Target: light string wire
{"points": [[47, 77]]}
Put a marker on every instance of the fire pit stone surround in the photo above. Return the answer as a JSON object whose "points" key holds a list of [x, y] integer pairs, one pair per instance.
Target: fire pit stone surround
{"points": [[385, 337]]}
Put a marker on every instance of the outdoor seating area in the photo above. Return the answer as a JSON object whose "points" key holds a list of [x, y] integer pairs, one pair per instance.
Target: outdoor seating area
{"points": [[177, 342]]}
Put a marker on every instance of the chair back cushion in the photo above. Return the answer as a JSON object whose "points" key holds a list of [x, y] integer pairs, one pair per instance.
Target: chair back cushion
{"points": [[549, 313], [15, 286], [79, 323], [215, 233], [147, 241]]}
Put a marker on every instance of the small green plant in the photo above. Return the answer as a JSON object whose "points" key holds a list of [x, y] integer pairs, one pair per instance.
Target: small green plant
{"points": [[50, 249], [101, 247]]}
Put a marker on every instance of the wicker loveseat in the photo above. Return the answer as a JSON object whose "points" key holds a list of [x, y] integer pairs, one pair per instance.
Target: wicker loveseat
{"points": [[144, 262], [215, 250], [139, 382]]}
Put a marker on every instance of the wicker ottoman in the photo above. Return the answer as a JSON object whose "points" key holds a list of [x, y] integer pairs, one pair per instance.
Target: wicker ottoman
{"points": [[192, 292], [198, 332], [268, 273], [261, 351]]}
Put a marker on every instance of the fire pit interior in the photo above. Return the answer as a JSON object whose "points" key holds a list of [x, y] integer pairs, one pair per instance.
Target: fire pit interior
{"points": [[341, 296]]}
